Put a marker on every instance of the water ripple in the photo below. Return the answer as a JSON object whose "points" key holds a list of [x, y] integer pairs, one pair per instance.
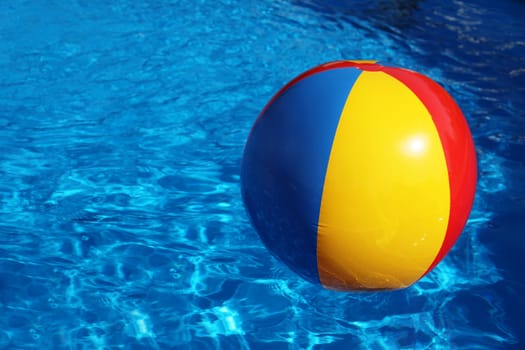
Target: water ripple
{"points": [[121, 131]]}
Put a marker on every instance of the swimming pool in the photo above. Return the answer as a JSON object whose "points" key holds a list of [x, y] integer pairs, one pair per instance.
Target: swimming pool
{"points": [[122, 126]]}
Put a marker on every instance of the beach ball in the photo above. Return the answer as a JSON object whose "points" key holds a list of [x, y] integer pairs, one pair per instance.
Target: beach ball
{"points": [[359, 176]]}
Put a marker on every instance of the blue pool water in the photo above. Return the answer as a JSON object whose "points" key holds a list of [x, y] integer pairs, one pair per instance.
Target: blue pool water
{"points": [[122, 125]]}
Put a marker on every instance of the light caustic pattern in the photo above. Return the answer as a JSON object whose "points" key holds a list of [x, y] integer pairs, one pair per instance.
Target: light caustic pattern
{"points": [[122, 127]]}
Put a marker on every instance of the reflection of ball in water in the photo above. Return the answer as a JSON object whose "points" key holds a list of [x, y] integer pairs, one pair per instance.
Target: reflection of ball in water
{"points": [[360, 176]]}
